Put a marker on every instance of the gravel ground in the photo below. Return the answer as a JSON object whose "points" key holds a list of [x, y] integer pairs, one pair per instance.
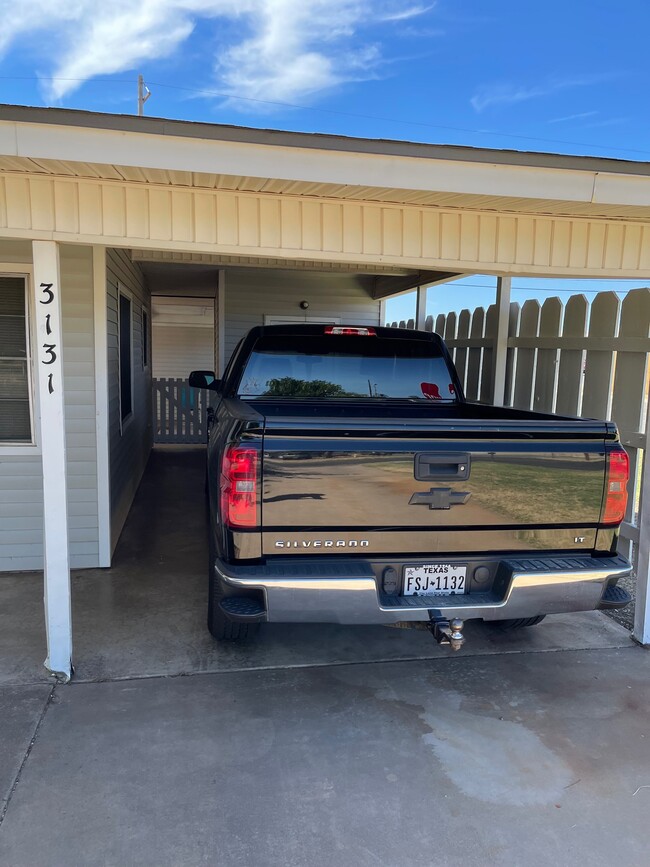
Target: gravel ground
{"points": [[625, 616]]}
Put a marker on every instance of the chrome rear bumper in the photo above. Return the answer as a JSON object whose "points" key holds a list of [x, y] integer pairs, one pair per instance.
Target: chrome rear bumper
{"points": [[346, 591]]}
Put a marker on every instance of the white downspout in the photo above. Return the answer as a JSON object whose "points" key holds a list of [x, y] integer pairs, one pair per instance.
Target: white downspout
{"points": [[642, 602]]}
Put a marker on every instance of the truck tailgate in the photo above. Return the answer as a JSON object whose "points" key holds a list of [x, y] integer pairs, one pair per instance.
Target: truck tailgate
{"points": [[432, 484]]}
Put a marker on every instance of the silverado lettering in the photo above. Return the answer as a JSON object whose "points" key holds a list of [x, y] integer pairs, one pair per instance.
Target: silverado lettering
{"points": [[323, 440], [327, 543]]}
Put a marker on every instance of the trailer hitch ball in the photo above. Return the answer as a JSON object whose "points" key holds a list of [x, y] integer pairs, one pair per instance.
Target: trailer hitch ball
{"points": [[456, 639], [448, 632]]}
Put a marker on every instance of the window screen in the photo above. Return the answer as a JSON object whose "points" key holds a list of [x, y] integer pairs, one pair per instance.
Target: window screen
{"points": [[126, 403], [346, 366], [15, 414]]}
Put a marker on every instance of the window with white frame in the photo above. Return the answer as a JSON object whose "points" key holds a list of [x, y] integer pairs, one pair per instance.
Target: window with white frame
{"points": [[126, 356], [15, 390]]}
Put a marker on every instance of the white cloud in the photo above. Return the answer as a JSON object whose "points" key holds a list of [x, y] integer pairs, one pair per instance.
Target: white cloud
{"points": [[579, 116], [407, 13], [507, 93], [285, 49]]}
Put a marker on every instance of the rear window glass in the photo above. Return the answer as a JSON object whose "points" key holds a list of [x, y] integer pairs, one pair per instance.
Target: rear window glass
{"points": [[346, 367]]}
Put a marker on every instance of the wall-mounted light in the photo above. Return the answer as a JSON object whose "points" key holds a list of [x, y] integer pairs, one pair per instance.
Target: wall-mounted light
{"points": [[304, 305]]}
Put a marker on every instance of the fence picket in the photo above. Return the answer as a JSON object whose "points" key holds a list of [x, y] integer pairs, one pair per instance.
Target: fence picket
{"points": [[450, 333], [513, 327], [525, 361], [474, 355], [550, 325], [628, 402], [440, 324], [599, 364], [571, 366], [428, 323], [464, 322], [486, 384]]}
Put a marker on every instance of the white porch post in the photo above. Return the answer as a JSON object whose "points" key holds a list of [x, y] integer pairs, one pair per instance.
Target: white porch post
{"points": [[421, 308], [101, 405], [49, 376], [500, 351], [220, 324], [642, 602]]}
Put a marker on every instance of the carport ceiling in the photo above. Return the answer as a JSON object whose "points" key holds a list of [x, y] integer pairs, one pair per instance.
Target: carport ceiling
{"points": [[196, 274], [168, 153]]}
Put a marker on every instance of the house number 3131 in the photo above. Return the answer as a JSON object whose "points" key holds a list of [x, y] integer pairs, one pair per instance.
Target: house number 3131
{"points": [[49, 348]]}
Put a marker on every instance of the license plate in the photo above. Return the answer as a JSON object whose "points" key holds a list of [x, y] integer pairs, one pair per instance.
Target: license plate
{"points": [[434, 579]]}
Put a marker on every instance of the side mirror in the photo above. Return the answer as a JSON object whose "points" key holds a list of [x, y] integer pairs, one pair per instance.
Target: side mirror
{"points": [[204, 379]]}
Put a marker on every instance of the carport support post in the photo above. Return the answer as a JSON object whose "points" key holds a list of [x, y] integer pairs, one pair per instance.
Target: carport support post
{"points": [[642, 602], [49, 376], [220, 324], [421, 308], [500, 349]]}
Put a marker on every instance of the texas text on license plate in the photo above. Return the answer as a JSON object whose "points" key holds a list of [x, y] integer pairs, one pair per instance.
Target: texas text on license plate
{"points": [[434, 579]]}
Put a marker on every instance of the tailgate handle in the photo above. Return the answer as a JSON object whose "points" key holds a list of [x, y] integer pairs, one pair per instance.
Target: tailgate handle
{"points": [[448, 465]]}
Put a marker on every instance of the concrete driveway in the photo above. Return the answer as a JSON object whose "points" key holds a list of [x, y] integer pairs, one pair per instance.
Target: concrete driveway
{"points": [[534, 758], [318, 745]]}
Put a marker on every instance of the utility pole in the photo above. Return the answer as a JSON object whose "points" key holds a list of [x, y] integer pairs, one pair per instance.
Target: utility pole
{"points": [[143, 95]]}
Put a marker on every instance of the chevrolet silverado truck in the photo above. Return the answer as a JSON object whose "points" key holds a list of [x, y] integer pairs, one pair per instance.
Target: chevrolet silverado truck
{"points": [[350, 481]]}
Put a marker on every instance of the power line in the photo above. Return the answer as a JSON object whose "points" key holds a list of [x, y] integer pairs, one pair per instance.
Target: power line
{"points": [[391, 119], [332, 111]]}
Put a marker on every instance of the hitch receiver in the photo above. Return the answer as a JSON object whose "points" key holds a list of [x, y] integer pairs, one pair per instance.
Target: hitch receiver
{"points": [[447, 631]]}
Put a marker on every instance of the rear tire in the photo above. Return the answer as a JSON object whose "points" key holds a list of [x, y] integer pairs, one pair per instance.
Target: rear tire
{"points": [[221, 627], [517, 623]]}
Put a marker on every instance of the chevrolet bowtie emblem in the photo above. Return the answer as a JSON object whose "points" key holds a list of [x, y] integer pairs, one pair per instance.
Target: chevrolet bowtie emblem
{"points": [[439, 498]]}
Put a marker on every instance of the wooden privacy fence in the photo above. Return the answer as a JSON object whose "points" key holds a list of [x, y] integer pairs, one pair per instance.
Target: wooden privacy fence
{"points": [[576, 359], [179, 412]]}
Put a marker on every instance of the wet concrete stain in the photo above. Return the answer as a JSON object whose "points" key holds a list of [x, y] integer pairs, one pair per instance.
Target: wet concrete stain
{"points": [[484, 755], [495, 760]]}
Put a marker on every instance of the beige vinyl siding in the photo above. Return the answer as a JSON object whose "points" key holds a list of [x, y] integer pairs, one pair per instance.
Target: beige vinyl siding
{"points": [[179, 349], [251, 295], [21, 513], [21, 477], [130, 442]]}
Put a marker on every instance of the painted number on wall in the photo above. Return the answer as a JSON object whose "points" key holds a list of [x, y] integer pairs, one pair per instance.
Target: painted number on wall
{"points": [[50, 348]]}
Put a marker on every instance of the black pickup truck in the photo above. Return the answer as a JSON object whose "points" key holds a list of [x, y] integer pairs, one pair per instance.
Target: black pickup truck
{"points": [[350, 481]]}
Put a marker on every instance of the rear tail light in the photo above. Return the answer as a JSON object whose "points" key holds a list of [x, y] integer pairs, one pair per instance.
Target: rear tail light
{"points": [[617, 476], [239, 487], [349, 329]]}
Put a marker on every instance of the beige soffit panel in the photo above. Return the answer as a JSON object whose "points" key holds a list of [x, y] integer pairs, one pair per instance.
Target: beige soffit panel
{"points": [[247, 224], [635, 194]]}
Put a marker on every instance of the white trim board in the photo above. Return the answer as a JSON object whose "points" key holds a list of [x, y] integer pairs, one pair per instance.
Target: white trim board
{"points": [[101, 405]]}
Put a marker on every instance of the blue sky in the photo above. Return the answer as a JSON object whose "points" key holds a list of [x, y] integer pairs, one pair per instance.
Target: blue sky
{"points": [[567, 77]]}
